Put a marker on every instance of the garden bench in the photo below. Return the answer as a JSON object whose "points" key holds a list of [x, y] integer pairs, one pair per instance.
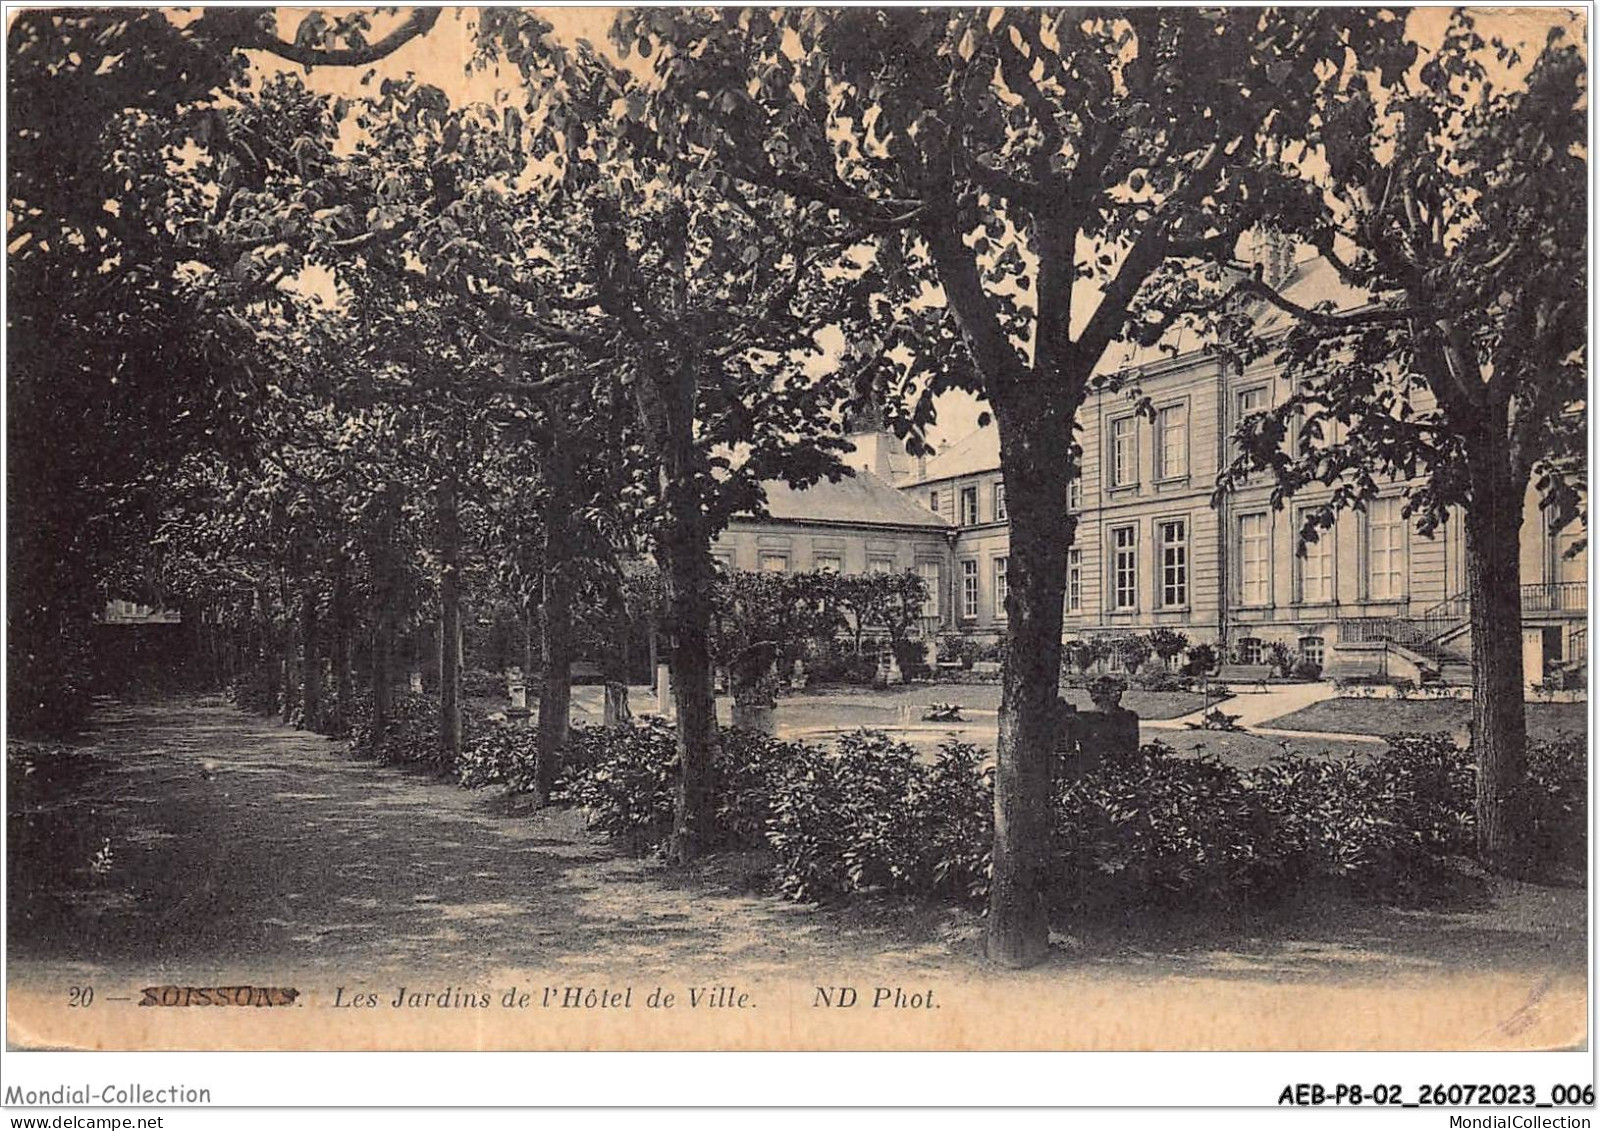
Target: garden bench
{"points": [[1253, 674]]}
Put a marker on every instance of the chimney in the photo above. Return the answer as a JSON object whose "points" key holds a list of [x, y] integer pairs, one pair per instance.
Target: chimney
{"points": [[1274, 252]]}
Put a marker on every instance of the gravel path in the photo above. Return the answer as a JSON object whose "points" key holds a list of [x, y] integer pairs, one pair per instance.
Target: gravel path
{"points": [[205, 847], [237, 845]]}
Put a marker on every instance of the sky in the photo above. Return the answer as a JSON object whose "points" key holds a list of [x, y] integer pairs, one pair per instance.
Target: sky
{"points": [[441, 56]]}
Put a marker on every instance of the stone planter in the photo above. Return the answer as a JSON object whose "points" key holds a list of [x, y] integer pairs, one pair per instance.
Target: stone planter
{"points": [[757, 717]]}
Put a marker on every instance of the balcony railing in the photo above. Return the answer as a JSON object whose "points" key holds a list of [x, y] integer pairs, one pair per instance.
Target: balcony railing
{"points": [[1556, 597]]}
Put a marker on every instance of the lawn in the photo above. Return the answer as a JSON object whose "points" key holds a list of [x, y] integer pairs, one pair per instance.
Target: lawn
{"points": [[1246, 751], [1399, 716], [986, 697], [1148, 704]]}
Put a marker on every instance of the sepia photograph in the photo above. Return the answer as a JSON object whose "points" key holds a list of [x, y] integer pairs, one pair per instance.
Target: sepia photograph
{"points": [[798, 530]]}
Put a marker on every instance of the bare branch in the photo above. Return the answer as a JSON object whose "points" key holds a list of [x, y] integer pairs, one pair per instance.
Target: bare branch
{"points": [[251, 35]]}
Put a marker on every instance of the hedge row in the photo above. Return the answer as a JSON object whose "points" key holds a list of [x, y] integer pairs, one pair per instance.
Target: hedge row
{"points": [[1156, 828]]}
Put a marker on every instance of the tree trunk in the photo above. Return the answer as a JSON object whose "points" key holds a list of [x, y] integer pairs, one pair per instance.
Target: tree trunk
{"points": [[667, 393], [684, 552], [289, 648], [384, 596], [382, 673], [267, 649], [1499, 720], [555, 621], [311, 664], [687, 571], [449, 621], [1033, 438], [339, 644], [618, 653]]}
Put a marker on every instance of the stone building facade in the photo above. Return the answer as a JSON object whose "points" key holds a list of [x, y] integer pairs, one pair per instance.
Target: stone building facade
{"points": [[1156, 547]]}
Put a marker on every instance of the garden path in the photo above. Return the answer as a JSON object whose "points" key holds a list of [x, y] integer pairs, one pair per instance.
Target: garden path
{"points": [[1253, 708], [237, 845], [206, 847]]}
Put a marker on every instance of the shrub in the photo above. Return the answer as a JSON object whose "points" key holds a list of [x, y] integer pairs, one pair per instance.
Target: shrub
{"points": [[1133, 651], [1167, 643], [957, 649], [1160, 681], [991, 651], [832, 663], [742, 776], [1281, 658], [1327, 823], [411, 737], [499, 753], [482, 684], [1202, 660], [626, 780], [1084, 652], [912, 656], [1308, 670], [873, 816], [1156, 828], [1555, 802], [251, 692], [1429, 786]]}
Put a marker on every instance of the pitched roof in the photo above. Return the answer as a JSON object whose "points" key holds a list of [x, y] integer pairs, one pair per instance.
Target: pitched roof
{"points": [[859, 498], [1312, 281], [978, 451]]}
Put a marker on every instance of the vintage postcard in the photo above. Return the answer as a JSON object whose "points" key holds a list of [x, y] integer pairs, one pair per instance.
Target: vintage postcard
{"points": [[865, 528]]}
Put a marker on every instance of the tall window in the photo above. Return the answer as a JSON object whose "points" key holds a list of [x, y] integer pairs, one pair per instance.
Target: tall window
{"points": [[1386, 550], [1173, 536], [1247, 403], [827, 563], [969, 506], [774, 563], [1316, 568], [1255, 566], [1124, 451], [1125, 567], [999, 502], [1172, 442], [880, 565], [1074, 581], [1075, 493], [933, 501], [929, 572], [1000, 588], [969, 588], [1314, 649], [1252, 401]]}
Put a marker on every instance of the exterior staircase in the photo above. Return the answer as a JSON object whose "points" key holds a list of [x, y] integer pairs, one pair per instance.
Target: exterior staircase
{"points": [[1430, 634], [1437, 636]]}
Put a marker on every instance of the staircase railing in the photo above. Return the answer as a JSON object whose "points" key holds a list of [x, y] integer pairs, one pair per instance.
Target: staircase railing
{"points": [[1556, 597], [1414, 633], [1423, 632]]}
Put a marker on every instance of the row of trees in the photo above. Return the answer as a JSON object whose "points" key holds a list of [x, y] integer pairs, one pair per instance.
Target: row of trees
{"points": [[582, 318], [767, 621]]}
